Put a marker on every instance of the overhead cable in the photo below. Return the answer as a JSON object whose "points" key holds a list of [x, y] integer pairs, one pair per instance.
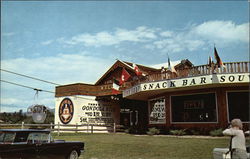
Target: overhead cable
{"points": [[36, 89], [34, 78]]}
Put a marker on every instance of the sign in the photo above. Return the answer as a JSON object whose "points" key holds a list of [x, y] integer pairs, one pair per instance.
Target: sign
{"points": [[157, 113], [96, 113], [194, 104], [66, 110], [84, 110], [189, 82]]}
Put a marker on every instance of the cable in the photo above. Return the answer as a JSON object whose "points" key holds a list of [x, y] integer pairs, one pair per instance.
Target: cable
{"points": [[36, 89], [34, 78]]}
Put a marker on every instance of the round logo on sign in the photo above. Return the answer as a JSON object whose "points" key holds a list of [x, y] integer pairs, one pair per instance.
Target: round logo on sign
{"points": [[66, 110]]}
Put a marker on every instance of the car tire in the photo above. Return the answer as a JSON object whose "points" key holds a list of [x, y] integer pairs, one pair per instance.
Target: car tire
{"points": [[73, 155]]}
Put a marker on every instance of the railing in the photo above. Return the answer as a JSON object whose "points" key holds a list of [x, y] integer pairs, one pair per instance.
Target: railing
{"points": [[232, 67], [59, 128]]}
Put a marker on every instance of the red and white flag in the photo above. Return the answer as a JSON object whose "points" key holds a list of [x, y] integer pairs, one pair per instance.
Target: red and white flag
{"points": [[116, 87], [137, 70], [217, 57], [124, 77]]}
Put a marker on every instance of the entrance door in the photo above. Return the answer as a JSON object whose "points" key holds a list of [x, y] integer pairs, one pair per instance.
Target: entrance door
{"points": [[134, 115], [134, 118], [125, 118]]}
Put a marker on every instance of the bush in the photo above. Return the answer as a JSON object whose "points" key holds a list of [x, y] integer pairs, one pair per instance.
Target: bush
{"points": [[130, 130], [178, 132], [195, 132], [153, 131], [216, 132]]}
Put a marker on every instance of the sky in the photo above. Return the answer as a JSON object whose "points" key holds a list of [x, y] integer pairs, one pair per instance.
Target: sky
{"points": [[78, 41]]}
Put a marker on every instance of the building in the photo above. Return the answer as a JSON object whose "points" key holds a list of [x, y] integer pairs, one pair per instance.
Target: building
{"points": [[193, 97]]}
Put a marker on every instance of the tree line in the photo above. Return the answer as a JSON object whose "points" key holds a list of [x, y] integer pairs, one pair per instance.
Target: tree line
{"points": [[19, 117]]}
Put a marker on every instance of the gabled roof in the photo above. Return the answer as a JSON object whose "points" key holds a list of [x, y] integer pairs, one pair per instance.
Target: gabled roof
{"points": [[184, 62], [127, 65], [165, 65], [143, 68]]}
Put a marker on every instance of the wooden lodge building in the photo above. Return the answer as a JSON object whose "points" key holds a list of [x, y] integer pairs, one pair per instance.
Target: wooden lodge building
{"points": [[195, 97]]}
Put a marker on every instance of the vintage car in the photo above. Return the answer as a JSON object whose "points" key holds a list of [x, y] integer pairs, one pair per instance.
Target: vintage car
{"points": [[31, 144]]}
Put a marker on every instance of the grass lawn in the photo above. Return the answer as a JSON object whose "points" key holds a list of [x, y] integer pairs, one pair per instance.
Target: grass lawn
{"points": [[126, 146]]}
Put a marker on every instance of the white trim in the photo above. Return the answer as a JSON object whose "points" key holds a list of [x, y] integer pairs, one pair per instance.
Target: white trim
{"points": [[164, 98], [228, 105], [170, 104], [194, 123]]}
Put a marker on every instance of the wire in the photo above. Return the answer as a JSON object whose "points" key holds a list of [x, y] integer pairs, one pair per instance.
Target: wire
{"points": [[36, 89], [34, 78]]}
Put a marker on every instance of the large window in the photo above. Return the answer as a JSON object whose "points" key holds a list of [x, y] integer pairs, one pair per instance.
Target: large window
{"points": [[157, 113], [238, 105], [194, 108]]}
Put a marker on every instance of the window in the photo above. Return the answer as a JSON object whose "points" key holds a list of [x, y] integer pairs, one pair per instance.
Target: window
{"points": [[38, 138], [21, 137], [194, 108], [7, 137], [157, 113], [238, 105], [1, 136]]}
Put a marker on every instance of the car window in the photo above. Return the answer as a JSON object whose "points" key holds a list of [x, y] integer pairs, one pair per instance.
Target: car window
{"points": [[38, 138], [1, 136], [21, 137], [7, 136]]}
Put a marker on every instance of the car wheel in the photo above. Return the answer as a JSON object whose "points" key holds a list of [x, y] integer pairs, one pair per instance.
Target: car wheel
{"points": [[73, 155]]}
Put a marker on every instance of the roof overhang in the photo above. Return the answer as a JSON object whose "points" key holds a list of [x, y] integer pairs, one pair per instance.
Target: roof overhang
{"points": [[146, 90]]}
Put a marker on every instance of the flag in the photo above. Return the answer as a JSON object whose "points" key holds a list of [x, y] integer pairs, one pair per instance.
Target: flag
{"points": [[116, 87], [210, 61], [219, 61], [124, 77], [170, 67], [136, 69]]}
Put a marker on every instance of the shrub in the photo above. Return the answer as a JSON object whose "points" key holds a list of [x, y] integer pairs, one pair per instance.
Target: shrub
{"points": [[153, 131], [216, 132], [195, 132], [130, 130], [178, 132]]}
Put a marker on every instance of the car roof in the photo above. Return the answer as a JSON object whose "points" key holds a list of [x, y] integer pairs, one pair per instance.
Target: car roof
{"points": [[23, 130]]}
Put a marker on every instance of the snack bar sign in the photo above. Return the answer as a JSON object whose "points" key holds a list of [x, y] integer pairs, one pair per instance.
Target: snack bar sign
{"points": [[188, 82]]}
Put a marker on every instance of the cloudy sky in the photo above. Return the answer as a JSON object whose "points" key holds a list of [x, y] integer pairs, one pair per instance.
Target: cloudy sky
{"points": [[68, 42]]}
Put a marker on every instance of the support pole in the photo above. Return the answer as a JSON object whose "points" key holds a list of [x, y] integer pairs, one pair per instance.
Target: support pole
{"points": [[22, 125], [114, 127]]}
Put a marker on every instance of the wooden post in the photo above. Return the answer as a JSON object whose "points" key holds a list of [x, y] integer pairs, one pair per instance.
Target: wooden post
{"points": [[58, 129], [114, 127], [92, 129], [22, 125], [88, 127], [76, 128]]}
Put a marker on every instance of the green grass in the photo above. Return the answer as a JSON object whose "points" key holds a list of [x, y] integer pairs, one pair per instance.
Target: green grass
{"points": [[125, 146]]}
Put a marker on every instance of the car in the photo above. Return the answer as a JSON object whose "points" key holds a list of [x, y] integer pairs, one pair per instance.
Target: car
{"points": [[32, 143]]}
